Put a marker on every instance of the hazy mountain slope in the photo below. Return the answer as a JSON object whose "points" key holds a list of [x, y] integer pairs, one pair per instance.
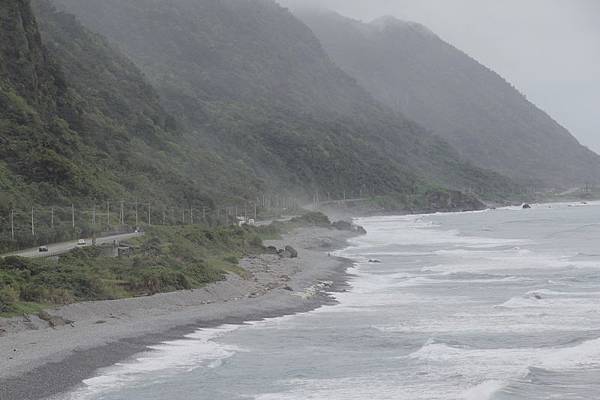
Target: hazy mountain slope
{"points": [[80, 125], [125, 120], [412, 70], [39, 149], [255, 84]]}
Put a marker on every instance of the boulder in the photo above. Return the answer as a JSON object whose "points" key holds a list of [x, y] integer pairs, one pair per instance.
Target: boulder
{"points": [[293, 253], [271, 250], [288, 252], [326, 243], [342, 225], [348, 226], [360, 229], [52, 320]]}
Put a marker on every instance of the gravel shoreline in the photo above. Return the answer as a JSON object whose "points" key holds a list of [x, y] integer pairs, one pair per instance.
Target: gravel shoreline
{"points": [[39, 361]]}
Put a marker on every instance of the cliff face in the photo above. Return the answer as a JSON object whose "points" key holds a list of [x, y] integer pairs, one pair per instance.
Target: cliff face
{"points": [[37, 144], [488, 121], [24, 63]]}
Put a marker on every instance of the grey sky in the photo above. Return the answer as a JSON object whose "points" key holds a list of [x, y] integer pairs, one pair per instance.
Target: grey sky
{"points": [[549, 49]]}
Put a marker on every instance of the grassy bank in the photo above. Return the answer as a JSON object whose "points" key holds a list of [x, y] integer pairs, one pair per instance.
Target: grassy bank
{"points": [[165, 259]]}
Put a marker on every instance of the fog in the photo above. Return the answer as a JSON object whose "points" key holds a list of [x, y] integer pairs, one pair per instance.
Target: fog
{"points": [[549, 49]]}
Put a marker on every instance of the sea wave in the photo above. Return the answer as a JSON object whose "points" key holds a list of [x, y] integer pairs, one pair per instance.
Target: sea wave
{"points": [[196, 350]]}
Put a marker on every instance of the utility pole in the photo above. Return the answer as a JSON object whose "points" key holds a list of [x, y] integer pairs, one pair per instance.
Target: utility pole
{"points": [[255, 212], [191, 216], [32, 223], [122, 218], [136, 215], [12, 224], [52, 218], [73, 215]]}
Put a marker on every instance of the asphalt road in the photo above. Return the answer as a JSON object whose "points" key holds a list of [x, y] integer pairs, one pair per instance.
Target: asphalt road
{"points": [[61, 248]]}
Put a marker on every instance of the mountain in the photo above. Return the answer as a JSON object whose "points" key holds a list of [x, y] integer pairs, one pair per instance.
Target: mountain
{"points": [[80, 121], [412, 70], [252, 82], [126, 121], [79, 124]]}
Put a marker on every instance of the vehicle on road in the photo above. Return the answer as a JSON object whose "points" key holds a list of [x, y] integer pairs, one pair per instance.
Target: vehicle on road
{"points": [[43, 249], [81, 242]]}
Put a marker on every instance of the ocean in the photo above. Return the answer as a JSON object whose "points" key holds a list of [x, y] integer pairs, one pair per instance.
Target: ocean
{"points": [[501, 304]]}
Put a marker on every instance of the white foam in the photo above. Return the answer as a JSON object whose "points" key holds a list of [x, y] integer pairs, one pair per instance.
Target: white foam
{"points": [[495, 368], [484, 390], [194, 351]]}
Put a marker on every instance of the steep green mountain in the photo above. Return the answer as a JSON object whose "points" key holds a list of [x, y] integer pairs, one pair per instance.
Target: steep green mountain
{"points": [[37, 144], [78, 121], [252, 82], [412, 70], [128, 123], [79, 124]]}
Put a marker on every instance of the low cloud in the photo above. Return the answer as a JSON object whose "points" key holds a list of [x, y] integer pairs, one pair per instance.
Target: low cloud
{"points": [[549, 49]]}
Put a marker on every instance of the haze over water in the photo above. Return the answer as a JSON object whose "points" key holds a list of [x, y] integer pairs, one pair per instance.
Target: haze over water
{"points": [[495, 305]]}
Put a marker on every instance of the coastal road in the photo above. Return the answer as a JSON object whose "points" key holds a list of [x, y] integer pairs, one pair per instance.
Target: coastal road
{"points": [[61, 248]]}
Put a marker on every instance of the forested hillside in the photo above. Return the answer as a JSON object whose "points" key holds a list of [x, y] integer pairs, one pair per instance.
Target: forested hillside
{"points": [[486, 119], [79, 121], [79, 125], [192, 104], [253, 82]]}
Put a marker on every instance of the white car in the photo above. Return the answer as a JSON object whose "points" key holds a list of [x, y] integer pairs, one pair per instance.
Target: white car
{"points": [[81, 242]]}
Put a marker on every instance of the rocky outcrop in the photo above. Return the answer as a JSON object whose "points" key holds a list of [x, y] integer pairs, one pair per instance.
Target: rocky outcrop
{"points": [[348, 226], [288, 252], [452, 201]]}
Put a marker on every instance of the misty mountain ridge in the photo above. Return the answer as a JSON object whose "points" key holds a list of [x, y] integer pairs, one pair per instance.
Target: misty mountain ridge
{"points": [[412, 70], [254, 83], [79, 122], [391, 22]]}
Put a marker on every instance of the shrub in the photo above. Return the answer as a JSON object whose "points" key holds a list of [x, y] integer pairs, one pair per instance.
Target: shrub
{"points": [[312, 218], [8, 297], [231, 259]]}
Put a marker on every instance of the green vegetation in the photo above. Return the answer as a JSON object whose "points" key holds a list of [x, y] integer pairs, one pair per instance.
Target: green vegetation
{"points": [[80, 125], [164, 259], [269, 97], [277, 228], [194, 113]]}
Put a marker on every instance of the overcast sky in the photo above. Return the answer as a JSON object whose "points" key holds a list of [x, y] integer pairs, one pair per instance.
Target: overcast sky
{"points": [[549, 49]]}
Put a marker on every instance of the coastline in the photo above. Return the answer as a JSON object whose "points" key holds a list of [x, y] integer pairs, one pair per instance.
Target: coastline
{"points": [[40, 362]]}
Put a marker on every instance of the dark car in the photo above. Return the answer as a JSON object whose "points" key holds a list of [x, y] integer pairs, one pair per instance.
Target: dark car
{"points": [[43, 249]]}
